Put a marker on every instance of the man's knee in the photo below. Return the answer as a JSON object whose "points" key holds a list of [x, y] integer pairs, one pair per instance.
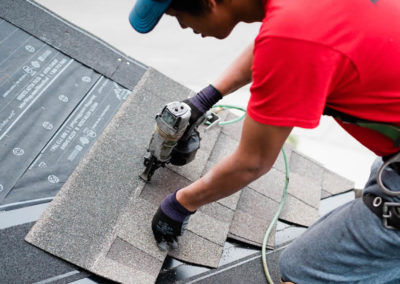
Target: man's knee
{"points": [[287, 265]]}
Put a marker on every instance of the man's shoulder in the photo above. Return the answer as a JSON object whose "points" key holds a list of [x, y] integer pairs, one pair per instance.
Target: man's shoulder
{"points": [[294, 18], [309, 19]]}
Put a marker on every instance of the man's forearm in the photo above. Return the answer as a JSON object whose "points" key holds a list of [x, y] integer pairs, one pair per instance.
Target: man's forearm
{"points": [[238, 74], [228, 176], [234, 172], [258, 149]]}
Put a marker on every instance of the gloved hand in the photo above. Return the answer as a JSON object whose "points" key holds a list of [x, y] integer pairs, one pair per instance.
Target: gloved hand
{"points": [[169, 222], [202, 102], [189, 143]]}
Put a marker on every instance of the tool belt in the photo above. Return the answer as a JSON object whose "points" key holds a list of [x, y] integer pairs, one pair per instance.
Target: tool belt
{"points": [[387, 211]]}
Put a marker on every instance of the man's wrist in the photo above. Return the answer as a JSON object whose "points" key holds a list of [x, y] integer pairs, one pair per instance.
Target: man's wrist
{"points": [[174, 209], [183, 199], [206, 98]]}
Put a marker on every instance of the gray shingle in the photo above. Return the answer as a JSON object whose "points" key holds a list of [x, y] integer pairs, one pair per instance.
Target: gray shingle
{"points": [[217, 211], [76, 224], [325, 194], [126, 254], [271, 184], [233, 131], [166, 89], [209, 228], [305, 189], [306, 167], [195, 249], [109, 268], [97, 204], [224, 147], [164, 182], [334, 184], [303, 198], [298, 212], [253, 215], [212, 133], [280, 161], [231, 201], [194, 169], [134, 227]]}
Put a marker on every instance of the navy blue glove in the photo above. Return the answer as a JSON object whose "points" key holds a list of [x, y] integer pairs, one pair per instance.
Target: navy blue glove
{"points": [[169, 222], [202, 102]]}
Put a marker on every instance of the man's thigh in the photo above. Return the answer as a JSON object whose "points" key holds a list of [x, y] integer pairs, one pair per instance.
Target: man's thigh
{"points": [[347, 245]]}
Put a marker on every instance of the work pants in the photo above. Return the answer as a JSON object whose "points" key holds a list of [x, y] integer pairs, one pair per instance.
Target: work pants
{"points": [[347, 245]]}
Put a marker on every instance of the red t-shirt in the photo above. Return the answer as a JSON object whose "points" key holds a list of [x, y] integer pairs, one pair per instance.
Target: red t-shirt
{"points": [[342, 54]]}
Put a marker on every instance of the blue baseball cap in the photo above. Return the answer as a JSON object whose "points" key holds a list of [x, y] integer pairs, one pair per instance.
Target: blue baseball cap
{"points": [[146, 14]]}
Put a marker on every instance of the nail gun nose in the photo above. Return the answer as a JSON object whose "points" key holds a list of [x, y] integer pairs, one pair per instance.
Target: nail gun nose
{"points": [[151, 164], [145, 175]]}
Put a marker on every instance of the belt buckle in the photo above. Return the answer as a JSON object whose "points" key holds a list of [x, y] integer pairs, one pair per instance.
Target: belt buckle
{"points": [[386, 214], [392, 160]]}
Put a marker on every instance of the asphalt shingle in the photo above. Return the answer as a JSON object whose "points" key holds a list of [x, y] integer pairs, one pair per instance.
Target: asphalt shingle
{"points": [[298, 212], [198, 250], [270, 184], [234, 130], [126, 254], [134, 227], [231, 201], [79, 224], [280, 161], [253, 215], [305, 189], [306, 167], [333, 183], [104, 204], [210, 228], [223, 147]]}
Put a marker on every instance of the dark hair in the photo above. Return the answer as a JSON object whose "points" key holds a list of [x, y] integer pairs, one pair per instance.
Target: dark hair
{"points": [[194, 7]]}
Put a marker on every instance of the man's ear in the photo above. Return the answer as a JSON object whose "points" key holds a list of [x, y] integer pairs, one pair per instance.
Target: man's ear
{"points": [[212, 4]]}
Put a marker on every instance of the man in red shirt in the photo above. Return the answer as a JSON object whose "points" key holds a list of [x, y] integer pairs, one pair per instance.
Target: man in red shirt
{"points": [[310, 57]]}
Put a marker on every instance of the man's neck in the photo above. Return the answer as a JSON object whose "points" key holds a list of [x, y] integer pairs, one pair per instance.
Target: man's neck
{"points": [[248, 11]]}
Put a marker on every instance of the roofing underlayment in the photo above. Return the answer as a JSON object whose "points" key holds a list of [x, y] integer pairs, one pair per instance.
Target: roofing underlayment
{"points": [[76, 118]]}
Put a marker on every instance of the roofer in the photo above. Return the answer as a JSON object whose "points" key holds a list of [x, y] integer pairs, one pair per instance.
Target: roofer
{"points": [[309, 58]]}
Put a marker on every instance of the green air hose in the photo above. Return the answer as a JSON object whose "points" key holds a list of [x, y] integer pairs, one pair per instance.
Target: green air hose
{"points": [[233, 120], [274, 220], [284, 193]]}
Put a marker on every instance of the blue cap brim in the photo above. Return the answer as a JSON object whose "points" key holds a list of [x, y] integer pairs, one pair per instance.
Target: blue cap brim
{"points": [[146, 14]]}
